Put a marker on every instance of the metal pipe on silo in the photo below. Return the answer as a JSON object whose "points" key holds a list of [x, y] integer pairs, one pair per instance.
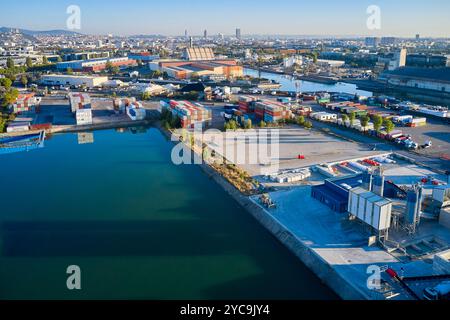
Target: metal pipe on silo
{"points": [[413, 206], [367, 180], [378, 185]]}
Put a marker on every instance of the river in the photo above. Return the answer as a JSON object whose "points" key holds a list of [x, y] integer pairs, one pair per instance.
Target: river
{"points": [[138, 227], [289, 84]]}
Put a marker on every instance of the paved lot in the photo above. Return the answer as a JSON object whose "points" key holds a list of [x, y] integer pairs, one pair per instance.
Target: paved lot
{"points": [[404, 173], [285, 147], [55, 110], [339, 242]]}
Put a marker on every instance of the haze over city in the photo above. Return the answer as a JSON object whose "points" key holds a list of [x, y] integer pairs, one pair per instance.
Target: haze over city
{"points": [[285, 17]]}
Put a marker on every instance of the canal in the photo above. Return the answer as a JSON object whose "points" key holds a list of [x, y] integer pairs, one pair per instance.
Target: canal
{"points": [[290, 84], [138, 227]]}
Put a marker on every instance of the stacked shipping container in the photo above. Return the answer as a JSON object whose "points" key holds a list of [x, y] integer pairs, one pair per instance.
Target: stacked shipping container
{"points": [[79, 101], [80, 104], [246, 104], [272, 111], [189, 113], [25, 103], [267, 110]]}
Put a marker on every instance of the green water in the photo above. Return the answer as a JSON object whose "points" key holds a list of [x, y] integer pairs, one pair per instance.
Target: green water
{"points": [[138, 226]]}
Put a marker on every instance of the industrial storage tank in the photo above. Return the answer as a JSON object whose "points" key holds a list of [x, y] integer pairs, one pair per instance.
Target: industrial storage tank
{"points": [[367, 181], [413, 206], [378, 185], [370, 208]]}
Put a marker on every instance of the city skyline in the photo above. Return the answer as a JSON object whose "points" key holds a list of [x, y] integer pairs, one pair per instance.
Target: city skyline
{"points": [[287, 17]]}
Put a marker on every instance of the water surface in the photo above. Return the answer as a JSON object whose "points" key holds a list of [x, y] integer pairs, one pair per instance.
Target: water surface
{"points": [[289, 84], [138, 226]]}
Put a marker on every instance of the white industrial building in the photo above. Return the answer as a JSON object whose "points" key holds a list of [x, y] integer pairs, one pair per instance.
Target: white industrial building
{"points": [[436, 79], [330, 63], [291, 61], [149, 88], [73, 80]]}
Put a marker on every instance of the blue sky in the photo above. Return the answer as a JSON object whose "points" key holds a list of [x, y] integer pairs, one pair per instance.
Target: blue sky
{"points": [[293, 17]]}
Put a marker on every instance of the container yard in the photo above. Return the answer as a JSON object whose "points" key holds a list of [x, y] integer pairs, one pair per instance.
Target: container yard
{"points": [[189, 113], [77, 111], [129, 106]]}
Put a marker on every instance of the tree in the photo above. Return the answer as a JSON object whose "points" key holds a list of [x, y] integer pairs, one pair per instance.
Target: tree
{"points": [[315, 54], [69, 71], [108, 67], [156, 74], [248, 124], [352, 117], [44, 60], [9, 63], [184, 135], [301, 120], [146, 95], [308, 125], [6, 82], [175, 122], [365, 122], [231, 125], [59, 59], [262, 124], [388, 125], [344, 119], [9, 97], [377, 122], [195, 76], [24, 80], [29, 62], [166, 125]]}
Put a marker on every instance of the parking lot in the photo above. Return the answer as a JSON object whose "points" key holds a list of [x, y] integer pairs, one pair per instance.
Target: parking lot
{"points": [[437, 131]]}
